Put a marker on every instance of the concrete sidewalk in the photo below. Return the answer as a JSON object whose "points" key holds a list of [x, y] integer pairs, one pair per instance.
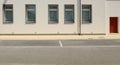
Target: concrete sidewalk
{"points": [[58, 37]]}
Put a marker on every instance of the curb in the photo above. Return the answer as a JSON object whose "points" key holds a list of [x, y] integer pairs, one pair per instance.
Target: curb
{"points": [[58, 37]]}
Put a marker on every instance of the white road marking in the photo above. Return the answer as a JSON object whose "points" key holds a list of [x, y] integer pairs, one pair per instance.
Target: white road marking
{"points": [[60, 42]]}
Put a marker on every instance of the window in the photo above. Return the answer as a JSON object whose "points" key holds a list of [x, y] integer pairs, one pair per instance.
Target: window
{"points": [[8, 13], [53, 14], [69, 14], [30, 14], [86, 13]]}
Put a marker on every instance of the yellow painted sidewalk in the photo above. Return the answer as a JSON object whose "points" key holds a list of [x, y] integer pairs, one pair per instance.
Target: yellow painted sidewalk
{"points": [[57, 37]]}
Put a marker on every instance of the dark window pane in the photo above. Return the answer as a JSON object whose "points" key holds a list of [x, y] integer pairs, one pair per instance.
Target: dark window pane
{"points": [[53, 6], [86, 16], [86, 6], [31, 16], [9, 16], [69, 16], [30, 7], [53, 16], [8, 6]]}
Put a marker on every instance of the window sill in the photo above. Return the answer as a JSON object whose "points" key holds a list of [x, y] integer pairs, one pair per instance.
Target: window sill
{"points": [[7, 22], [30, 22], [69, 22], [52, 22], [86, 23]]}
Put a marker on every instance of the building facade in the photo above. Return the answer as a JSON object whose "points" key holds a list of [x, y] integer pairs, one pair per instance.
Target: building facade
{"points": [[59, 16]]}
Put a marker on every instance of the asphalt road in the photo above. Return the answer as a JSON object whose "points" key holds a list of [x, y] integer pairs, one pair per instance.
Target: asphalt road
{"points": [[60, 52]]}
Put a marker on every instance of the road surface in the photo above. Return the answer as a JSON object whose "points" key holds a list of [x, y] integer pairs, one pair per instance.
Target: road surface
{"points": [[60, 52]]}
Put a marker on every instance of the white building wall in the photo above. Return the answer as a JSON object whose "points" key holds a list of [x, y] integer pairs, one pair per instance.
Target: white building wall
{"points": [[98, 18], [101, 11], [113, 10], [41, 26]]}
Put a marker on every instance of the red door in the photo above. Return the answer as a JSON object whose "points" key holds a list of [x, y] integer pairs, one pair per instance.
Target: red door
{"points": [[113, 24]]}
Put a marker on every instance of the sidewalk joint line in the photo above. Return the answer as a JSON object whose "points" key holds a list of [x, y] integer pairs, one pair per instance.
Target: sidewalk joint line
{"points": [[92, 46], [60, 42]]}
